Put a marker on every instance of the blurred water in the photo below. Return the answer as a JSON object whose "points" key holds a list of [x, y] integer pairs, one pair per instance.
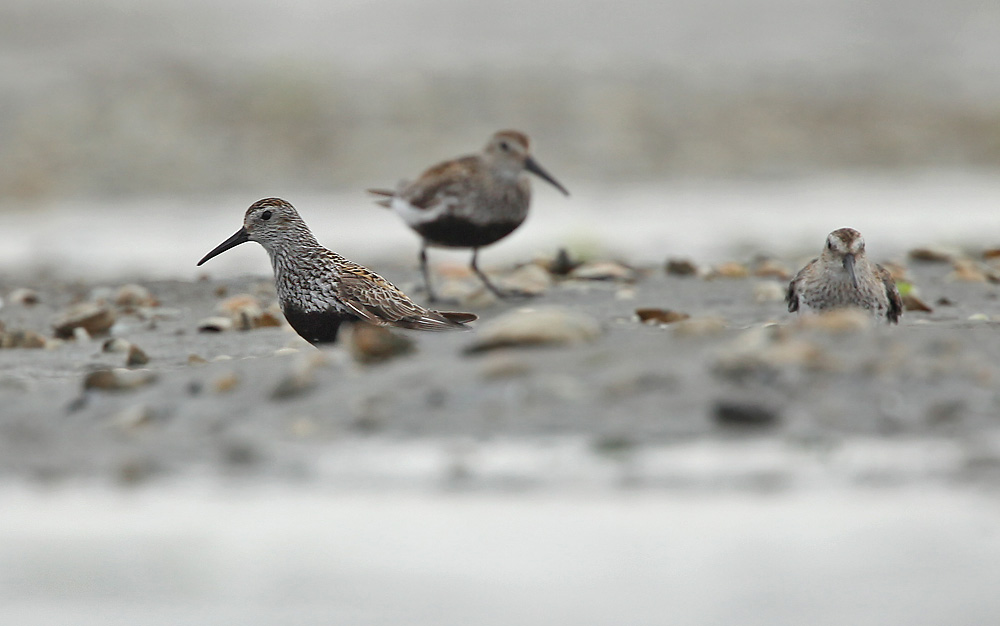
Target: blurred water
{"points": [[109, 97], [280, 556], [707, 221]]}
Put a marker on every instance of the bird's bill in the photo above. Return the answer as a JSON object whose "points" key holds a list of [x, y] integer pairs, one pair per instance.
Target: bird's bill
{"points": [[849, 266], [532, 166], [241, 236]]}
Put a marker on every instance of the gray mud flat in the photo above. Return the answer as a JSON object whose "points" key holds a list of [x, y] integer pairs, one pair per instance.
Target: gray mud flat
{"points": [[267, 404], [736, 467]]}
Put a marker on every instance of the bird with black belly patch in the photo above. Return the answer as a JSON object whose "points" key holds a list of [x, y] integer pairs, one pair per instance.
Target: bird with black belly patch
{"points": [[843, 277], [318, 290], [470, 202]]}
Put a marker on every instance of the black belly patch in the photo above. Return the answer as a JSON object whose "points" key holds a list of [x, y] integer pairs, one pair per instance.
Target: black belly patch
{"points": [[460, 233], [316, 327]]}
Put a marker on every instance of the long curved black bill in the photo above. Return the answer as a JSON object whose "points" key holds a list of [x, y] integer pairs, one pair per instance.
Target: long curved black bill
{"points": [[241, 236], [849, 266], [532, 166]]}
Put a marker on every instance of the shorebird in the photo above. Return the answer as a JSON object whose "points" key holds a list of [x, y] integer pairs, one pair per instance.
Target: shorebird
{"points": [[318, 289], [471, 201], [842, 276]]}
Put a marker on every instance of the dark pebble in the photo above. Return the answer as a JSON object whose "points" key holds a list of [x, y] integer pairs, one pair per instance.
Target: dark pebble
{"points": [[744, 414]]}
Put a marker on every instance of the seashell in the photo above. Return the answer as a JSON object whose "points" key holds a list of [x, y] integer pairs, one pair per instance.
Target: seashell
{"points": [[94, 318], [536, 327]]}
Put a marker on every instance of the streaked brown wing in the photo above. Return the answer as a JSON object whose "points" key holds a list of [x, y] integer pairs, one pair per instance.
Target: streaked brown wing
{"points": [[378, 301], [444, 179], [895, 300], [792, 296]]}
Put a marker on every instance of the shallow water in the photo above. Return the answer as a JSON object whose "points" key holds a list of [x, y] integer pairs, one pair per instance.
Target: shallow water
{"points": [[708, 221]]}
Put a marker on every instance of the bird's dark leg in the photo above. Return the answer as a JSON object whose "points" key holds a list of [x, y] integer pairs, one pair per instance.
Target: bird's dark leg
{"points": [[431, 296], [496, 291]]}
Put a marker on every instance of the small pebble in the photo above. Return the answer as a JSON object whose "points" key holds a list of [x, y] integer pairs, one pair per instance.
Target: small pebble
{"points": [[530, 279], [913, 303], [133, 417], [965, 270], [769, 291], [132, 296], [603, 270], [117, 379], [268, 319], [931, 255], [116, 345], [681, 267], [226, 382], [22, 339], [136, 356], [897, 271], [502, 365], [743, 414], [371, 344], [660, 316], [24, 296], [194, 359], [562, 264], [215, 324], [700, 327], [769, 268], [728, 270]]}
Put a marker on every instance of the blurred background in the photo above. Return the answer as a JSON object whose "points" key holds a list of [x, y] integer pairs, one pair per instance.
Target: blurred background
{"points": [[655, 112], [134, 134]]}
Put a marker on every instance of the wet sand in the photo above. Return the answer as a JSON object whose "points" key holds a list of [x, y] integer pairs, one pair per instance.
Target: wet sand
{"points": [[601, 482], [214, 404]]}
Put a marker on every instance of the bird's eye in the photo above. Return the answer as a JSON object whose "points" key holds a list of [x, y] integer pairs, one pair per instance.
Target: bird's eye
{"points": [[266, 215], [504, 146]]}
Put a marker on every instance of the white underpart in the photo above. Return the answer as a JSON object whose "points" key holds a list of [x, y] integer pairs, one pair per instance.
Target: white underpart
{"points": [[414, 216]]}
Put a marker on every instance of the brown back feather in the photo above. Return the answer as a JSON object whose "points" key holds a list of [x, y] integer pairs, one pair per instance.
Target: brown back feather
{"points": [[426, 191], [895, 300]]}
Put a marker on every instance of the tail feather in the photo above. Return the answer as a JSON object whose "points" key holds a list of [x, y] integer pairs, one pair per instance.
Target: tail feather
{"points": [[386, 201], [458, 318], [435, 320]]}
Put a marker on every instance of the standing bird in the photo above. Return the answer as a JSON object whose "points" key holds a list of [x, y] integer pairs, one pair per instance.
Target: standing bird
{"points": [[842, 276], [471, 201], [319, 289]]}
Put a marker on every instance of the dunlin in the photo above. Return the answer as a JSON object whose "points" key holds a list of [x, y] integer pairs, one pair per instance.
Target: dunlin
{"points": [[471, 201], [319, 289], [841, 277]]}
